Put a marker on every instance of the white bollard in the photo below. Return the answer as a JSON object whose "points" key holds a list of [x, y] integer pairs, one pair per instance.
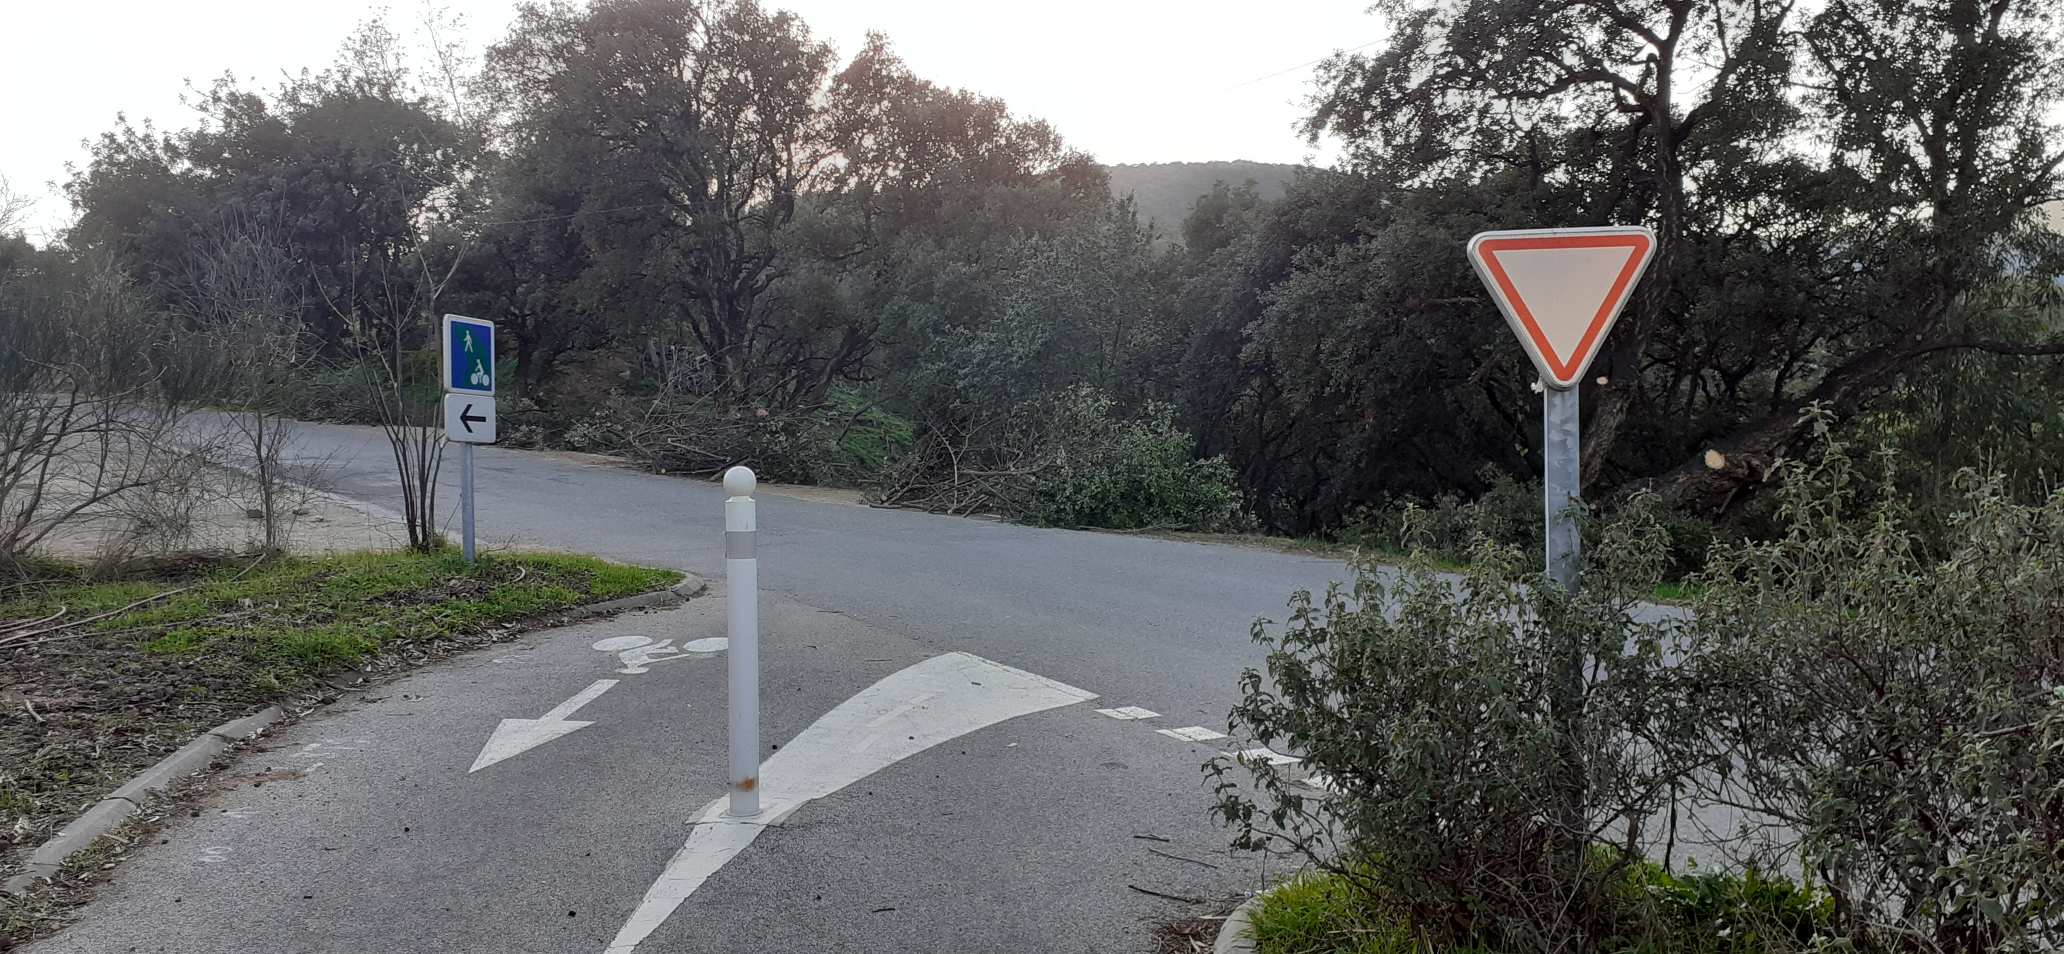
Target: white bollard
{"points": [[742, 593]]}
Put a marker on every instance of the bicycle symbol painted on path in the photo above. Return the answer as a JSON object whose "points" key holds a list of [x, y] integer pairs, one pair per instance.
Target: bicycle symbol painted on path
{"points": [[638, 653]]}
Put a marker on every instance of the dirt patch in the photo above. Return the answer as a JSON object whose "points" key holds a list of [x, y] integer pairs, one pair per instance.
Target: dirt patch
{"points": [[1194, 932]]}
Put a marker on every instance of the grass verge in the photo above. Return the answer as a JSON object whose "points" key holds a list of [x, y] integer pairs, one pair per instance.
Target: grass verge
{"points": [[98, 680], [1708, 913]]}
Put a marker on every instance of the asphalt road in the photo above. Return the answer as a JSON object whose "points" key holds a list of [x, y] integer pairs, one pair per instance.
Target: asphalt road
{"points": [[950, 785]]}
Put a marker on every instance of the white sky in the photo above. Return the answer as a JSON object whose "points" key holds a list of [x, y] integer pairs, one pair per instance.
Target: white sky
{"points": [[1127, 80]]}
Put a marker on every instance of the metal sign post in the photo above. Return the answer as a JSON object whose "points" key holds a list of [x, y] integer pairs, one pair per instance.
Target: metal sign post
{"points": [[1560, 290], [1561, 483], [466, 501], [742, 606], [466, 370]]}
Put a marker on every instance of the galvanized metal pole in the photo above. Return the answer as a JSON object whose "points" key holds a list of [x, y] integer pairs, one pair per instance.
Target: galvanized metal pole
{"points": [[742, 595], [1561, 483], [466, 499]]}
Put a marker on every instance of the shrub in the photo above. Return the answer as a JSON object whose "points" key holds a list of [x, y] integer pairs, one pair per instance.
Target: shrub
{"points": [[1122, 474], [1481, 777], [1901, 715], [846, 442], [1510, 514], [1070, 461]]}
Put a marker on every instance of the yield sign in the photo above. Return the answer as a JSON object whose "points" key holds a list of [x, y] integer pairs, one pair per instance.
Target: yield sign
{"points": [[1561, 289]]}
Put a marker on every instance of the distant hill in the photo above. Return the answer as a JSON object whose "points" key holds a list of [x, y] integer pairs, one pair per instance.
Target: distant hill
{"points": [[1165, 190]]}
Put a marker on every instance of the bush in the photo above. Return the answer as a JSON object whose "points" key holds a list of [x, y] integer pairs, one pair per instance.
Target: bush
{"points": [[1134, 474], [1481, 777], [1070, 461], [1880, 696], [846, 442], [1901, 715], [1510, 514]]}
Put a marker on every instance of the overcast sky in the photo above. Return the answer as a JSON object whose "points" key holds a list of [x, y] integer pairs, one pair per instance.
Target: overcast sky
{"points": [[1127, 80]]}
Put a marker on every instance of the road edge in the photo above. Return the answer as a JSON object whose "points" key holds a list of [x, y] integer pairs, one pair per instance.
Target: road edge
{"points": [[1236, 932], [690, 587], [112, 810]]}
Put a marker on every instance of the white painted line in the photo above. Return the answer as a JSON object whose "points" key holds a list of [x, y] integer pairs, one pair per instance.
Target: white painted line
{"points": [[581, 698], [883, 724], [1129, 713], [712, 644], [1264, 754], [1320, 781], [1194, 733], [514, 737]]}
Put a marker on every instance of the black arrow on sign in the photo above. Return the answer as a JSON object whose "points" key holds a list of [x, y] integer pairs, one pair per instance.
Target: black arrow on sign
{"points": [[467, 417]]}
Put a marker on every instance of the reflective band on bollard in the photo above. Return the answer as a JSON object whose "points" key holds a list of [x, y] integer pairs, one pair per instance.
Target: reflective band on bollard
{"points": [[742, 594]]}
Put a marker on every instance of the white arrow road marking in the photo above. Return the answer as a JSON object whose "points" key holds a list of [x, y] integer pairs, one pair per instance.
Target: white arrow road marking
{"points": [[935, 701], [517, 736]]}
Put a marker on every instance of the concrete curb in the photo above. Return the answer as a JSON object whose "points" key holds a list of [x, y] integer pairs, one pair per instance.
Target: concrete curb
{"points": [[116, 808], [1236, 934], [690, 587]]}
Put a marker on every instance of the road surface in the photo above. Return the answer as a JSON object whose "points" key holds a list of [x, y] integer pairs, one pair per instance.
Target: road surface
{"points": [[951, 784]]}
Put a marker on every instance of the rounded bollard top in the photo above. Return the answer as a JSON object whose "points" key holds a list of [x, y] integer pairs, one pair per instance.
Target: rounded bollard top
{"points": [[739, 481]]}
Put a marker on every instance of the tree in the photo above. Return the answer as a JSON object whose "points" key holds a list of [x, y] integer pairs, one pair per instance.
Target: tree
{"points": [[242, 309], [84, 421], [705, 118], [1787, 271]]}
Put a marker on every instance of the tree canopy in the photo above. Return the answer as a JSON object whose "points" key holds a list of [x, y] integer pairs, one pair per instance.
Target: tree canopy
{"points": [[703, 199]]}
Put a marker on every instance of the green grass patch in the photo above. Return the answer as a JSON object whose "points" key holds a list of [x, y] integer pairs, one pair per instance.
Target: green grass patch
{"points": [[1697, 913], [289, 621]]}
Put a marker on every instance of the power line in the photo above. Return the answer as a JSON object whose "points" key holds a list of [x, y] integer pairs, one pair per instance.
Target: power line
{"points": [[1293, 69]]}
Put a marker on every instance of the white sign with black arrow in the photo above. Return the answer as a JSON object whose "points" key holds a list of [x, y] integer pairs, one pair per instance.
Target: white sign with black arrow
{"points": [[469, 419]]}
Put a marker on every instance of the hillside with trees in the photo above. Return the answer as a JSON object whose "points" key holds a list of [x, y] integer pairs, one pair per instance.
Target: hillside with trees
{"points": [[1166, 192], [710, 238]]}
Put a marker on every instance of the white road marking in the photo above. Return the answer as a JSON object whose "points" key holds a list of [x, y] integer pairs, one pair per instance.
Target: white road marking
{"points": [[216, 854], [1129, 713], [1194, 733], [832, 753], [902, 710], [1322, 782], [1264, 754], [516, 736], [638, 653]]}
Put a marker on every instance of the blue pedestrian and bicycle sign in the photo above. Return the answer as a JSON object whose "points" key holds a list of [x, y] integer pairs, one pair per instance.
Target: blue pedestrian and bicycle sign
{"points": [[469, 366]]}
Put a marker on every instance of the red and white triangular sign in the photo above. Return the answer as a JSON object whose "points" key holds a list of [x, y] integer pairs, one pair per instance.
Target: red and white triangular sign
{"points": [[1561, 289]]}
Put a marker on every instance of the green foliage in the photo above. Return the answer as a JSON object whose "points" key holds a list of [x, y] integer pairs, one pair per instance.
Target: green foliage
{"points": [[286, 622], [1072, 460], [1128, 474], [1879, 693], [1469, 756], [1167, 192], [1509, 514], [700, 199], [848, 441], [1749, 913], [1895, 702]]}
